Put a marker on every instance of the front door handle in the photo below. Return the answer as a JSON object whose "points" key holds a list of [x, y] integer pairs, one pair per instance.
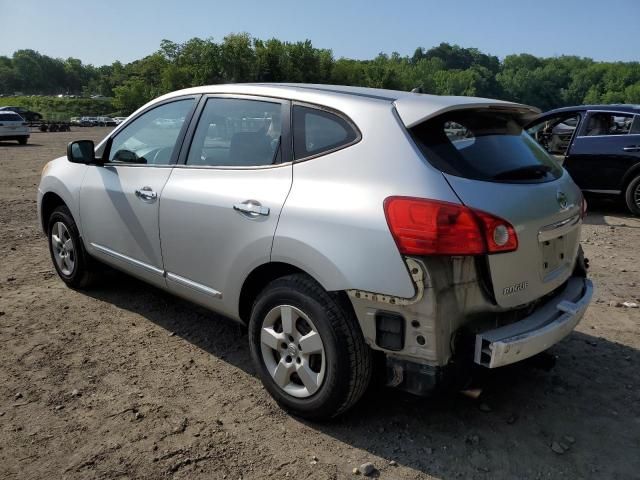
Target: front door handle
{"points": [[632, 148], [252, 208], [146, 194]]}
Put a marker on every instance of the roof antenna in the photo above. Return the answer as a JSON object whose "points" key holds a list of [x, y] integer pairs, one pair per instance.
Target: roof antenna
{"points": [[417, 90]]}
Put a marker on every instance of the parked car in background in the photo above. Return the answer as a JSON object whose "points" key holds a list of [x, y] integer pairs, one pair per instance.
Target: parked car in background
{"points": [[27, 115], [599, 145], [119, 120], [106, 122], [335, 222], [75, 121], [89, 121], [13, 127]]}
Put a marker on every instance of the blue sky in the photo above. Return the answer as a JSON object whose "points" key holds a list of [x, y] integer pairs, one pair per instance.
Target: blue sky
{"points": [[100, 32]]}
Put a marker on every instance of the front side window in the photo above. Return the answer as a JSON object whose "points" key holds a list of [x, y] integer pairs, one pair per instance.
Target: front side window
{"points": [[151, 138], [318, 131], [236, 132], [605, 123], [555, 133], [484, 145]]}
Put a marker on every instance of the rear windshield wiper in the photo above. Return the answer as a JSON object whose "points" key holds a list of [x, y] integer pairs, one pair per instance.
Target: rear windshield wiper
{"points": [[523, 173]]}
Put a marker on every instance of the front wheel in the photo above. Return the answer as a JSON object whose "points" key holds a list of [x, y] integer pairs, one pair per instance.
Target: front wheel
{"points": [[308, 348], [67, 252], [23, 140], [632, 196]]}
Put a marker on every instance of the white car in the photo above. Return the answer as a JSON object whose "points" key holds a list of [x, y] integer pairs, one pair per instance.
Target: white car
{"points": [[13, 127], [119, 120]]}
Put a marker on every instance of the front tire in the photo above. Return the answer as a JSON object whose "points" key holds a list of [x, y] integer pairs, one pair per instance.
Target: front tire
{"points": [[632, 196], [23, 140], [67, 251], [308, 348]]}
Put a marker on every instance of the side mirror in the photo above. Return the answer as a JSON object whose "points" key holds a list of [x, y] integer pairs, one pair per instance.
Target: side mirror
{"points": [[82, 151]]}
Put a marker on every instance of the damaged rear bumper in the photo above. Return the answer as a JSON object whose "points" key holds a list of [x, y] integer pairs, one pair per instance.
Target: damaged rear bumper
{"points": [[546, 326]]}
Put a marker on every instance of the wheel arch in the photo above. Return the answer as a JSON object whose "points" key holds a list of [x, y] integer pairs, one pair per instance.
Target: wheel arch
{"points": [[50, 201], [632, 172], [261, 276]]}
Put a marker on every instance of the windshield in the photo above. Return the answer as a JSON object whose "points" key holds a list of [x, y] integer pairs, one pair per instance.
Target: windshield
{"points": [[484, 145]]}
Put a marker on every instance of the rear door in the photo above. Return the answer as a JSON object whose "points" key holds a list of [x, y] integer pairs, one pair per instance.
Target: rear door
{"points": [[603, 151], [495, 166], [220, 207]]}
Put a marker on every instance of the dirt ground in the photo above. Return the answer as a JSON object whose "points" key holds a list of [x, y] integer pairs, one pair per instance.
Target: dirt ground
{"points": [[126, 381]]}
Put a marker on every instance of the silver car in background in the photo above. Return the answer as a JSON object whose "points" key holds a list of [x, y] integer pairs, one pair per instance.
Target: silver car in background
{"points": [[338, 223]]}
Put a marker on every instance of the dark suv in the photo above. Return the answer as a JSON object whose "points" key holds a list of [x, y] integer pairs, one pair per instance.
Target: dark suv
{"points": [[599, 145], [28, 115]]}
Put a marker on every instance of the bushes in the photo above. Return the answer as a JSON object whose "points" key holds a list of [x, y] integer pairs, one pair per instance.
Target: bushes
{"points": [[61, 109]]}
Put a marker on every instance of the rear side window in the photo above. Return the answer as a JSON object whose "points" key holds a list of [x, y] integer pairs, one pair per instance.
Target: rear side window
{"points": [[605, 123], [317, 131], [484, 145], [10, 117], [635, 129]]}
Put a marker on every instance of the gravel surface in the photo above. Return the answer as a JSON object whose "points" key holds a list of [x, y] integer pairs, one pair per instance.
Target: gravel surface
{"points": [[126, 381]]}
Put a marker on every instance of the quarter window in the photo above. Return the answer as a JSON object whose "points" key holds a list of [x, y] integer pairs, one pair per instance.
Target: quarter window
{"points": [[318, 131], [237, 133], [151, 138], [635, 128], [606, 123]]}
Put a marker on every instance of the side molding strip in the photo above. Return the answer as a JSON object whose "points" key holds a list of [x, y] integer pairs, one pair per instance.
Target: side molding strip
{"points": [[185, 282], [119, 256], [198, 287]]}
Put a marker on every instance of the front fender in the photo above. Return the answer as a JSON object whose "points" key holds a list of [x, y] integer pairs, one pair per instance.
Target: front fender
{"points": [[63, 179]]}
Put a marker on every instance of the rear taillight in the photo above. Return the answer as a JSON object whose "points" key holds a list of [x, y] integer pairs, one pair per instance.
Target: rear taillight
{"points": [[430, 227]]}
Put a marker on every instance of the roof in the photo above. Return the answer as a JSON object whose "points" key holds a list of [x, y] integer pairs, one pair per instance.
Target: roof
{"points": [[413, 108], [615, 107]]}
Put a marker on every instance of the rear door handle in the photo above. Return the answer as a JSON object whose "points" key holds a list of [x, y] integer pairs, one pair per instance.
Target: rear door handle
{"points": [[632, 148], [252, 208], [146, 194]]}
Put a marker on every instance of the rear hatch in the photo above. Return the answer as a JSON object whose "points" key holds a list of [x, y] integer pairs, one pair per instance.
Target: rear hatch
{"points": [[493, 165]]}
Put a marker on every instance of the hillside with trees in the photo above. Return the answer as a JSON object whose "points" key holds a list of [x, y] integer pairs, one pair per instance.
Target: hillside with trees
{"points": [[445, 69]]}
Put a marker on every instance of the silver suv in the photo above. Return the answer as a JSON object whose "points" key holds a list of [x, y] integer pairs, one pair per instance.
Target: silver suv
{"points": [[339, 223]]}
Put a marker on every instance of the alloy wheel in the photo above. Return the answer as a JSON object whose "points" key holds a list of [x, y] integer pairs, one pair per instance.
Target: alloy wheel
{"points": [[293, 351], [63, 249]]}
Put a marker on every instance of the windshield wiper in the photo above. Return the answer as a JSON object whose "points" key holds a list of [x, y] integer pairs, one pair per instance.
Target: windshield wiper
{"points": [[524, 173]]}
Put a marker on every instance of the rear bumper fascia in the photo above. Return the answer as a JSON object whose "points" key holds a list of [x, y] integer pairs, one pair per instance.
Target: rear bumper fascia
{"points": [[546, 326]]}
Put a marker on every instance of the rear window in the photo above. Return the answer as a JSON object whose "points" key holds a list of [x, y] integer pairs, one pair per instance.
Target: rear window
{"points": [[483, 145], [10, 117]]}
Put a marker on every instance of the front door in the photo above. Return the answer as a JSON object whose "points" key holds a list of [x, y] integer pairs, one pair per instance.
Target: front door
{"points": [[220, 207], [119, 201]]}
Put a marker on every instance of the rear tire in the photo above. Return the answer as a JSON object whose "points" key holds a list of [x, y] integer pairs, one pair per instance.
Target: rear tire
{"points": [[23, 140], [334, 370], [73, 264], [632, 196]]}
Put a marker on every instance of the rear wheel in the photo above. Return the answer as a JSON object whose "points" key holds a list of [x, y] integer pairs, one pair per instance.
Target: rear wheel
{"points": [[632, 196], [23, 140], [70, 260], [308, 348]]}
